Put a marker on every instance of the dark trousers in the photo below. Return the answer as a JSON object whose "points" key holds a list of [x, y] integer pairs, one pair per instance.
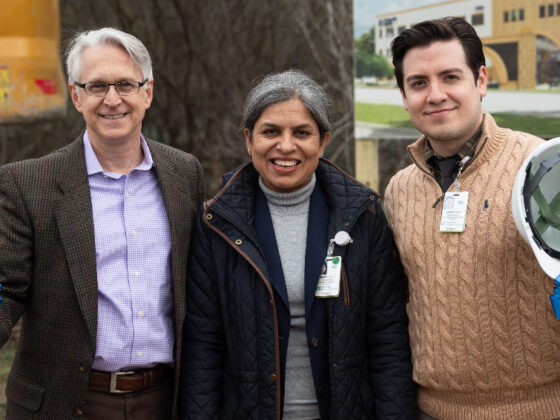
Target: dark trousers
{"points": [[152, 404]]}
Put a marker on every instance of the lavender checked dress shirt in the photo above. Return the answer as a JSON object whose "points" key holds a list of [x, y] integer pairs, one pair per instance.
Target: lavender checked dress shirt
{"points": [[133, 254]]}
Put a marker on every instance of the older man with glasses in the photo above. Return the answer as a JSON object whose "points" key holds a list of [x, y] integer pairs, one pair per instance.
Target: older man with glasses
{"points": [[93, 246]]}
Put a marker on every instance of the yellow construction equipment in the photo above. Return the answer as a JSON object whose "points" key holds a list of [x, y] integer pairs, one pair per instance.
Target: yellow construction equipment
{"points": [[32, 84]]}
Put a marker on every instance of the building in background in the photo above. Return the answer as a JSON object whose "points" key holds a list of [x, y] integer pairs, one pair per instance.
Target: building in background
{"points": [[521, 37]]}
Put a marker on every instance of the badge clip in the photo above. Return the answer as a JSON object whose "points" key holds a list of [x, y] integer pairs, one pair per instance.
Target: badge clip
{"points": [[329, 280]]}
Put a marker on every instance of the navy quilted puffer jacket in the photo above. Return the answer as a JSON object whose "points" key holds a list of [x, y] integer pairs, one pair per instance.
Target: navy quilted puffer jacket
{"points": [[234, 345]]}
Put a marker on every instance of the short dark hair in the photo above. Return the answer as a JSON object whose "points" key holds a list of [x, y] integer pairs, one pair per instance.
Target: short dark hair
{"points": [[446, 29]]}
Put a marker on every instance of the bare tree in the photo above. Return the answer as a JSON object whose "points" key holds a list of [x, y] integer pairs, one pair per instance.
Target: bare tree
{"points": [[207, 55]]}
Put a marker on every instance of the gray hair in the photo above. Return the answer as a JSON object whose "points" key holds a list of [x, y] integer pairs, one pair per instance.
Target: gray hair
{"points": [[106, 36], [280, 87]]}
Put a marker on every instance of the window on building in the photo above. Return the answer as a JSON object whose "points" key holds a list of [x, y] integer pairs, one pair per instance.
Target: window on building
{"points": [[390, 32], [401, 29], [381, 33], [514, 15], [558, 9], [506, 16], [477, 19], [550, 10], [541, 11], [388, 55], [521, 14]]}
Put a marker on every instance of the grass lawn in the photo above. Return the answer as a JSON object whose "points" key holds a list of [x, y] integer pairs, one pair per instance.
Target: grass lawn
{"points": [[395, 115], [6, 356]]}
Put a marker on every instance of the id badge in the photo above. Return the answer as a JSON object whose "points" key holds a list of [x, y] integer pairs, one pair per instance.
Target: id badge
{"points": [[329, 281], [454, 212]]}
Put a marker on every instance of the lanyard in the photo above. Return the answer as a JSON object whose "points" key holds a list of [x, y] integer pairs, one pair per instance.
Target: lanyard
{"points": [[457, 186], [462, 165]]}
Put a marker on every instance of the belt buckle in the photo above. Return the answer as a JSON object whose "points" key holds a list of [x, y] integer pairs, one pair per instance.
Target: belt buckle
{"points": [[113, 384]]}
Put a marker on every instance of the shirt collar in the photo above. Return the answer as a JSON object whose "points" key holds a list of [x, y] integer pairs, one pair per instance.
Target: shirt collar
{"points": [[468, 148], [94, 167]]}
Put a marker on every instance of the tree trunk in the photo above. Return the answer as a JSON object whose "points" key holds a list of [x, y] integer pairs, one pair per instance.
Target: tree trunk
{"points": [[206, 57]]}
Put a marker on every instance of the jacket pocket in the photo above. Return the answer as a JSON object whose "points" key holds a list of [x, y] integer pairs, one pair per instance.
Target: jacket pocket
{"points": [[24, 392]]}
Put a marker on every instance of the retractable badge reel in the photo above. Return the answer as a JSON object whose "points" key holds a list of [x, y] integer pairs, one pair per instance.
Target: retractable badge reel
{"points": [[329, 281]]}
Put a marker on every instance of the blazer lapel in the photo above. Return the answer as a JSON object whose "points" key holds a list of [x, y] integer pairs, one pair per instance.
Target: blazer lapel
{"points": [[175, 194], [74, 218]]}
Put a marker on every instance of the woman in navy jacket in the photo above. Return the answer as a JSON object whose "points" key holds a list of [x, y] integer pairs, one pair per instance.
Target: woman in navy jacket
{"points": [[295, 295]]}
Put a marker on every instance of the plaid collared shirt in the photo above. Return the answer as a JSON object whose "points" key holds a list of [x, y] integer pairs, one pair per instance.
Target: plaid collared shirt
{"points": [[468, 149]]}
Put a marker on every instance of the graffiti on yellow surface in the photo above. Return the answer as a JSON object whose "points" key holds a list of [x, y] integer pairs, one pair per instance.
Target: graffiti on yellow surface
{"points": [[4, 85]]}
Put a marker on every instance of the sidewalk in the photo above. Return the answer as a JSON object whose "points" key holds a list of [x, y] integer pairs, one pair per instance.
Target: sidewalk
{"points": [[544, 104], [367, 130]]}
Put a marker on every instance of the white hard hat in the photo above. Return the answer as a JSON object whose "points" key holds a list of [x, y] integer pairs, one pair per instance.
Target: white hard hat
{"points": [[536, 204], [536, 209]]}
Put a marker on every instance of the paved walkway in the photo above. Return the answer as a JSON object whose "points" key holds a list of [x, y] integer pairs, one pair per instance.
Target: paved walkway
{"points": [[366, 130], [526, 103]]}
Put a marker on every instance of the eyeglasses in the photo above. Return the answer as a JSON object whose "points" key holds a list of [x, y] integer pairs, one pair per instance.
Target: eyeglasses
{"points": [[100, 89]]}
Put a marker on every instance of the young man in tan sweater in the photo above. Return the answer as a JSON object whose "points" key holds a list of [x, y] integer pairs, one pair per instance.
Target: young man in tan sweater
{"points": [[484, 340]]}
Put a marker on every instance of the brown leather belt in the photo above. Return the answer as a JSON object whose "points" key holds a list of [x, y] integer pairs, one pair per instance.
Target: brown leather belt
{"points": [[130, 381]]}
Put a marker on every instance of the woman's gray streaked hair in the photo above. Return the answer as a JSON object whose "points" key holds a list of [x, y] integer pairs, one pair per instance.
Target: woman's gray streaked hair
{"points": [[280, 87], [106, 36]]}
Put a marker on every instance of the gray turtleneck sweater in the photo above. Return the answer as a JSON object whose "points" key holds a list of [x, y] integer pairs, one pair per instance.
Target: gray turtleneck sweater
{"points": [[289, 213]]}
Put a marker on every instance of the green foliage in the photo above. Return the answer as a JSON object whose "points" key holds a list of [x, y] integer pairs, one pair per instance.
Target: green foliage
{"points": [[366, 43], [372, 65], [381, 67], [368, 63], [7, 353], [395, 115], [364, 64]]}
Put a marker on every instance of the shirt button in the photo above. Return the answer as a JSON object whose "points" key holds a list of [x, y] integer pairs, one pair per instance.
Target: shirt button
{"points": [[272, 377], [140, 313], [78, 412], [136, 273], [126, 194], [133, 232], [82, 368], [314, 342], [139, 354]]}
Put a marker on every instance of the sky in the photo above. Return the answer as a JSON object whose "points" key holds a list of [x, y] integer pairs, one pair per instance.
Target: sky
{"points": [[366, 10]]}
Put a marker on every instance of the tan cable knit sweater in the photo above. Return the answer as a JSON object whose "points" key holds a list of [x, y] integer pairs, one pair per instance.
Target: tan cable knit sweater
{"points": [[485, 343]]}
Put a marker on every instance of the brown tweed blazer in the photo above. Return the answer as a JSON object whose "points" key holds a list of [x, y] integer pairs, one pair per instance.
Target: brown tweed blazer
{"points": [[48, 271]]}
